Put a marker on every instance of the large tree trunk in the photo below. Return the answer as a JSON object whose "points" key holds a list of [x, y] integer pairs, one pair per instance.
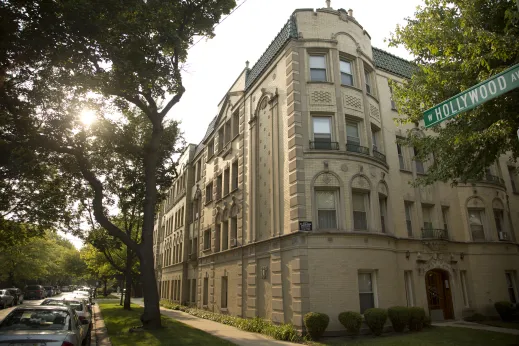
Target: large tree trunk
{"points": [[151, 316], [128, 278]]}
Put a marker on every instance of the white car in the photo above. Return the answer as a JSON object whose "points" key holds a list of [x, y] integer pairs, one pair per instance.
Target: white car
{"points": [[80, 295], [82, 309]]}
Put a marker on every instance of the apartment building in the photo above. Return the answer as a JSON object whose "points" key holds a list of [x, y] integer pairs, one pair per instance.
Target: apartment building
{"points": [[298, 198]]}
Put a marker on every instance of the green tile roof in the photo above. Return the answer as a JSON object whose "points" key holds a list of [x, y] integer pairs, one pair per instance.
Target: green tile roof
{"points": [[392, 64], [289, 31]]}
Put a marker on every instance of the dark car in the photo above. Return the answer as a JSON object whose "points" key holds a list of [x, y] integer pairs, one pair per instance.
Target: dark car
{"points": [[17, 294], [34, 292], [49, 290]]}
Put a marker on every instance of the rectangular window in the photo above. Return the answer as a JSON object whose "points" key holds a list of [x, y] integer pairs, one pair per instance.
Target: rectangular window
{"points": [[318, 68], [221, 138], [217, 237], [234, 230], [209, 192], [346, 73], [210, 149], [219, 187], [198, 170], [408, 219], [195, 245], [322, 132], [226, 178], [352, 133], [419, 164], [445, 218], [393, 104], [234, 178], [367, 75], [206, 291], [427, 217], [401, 156], [375, 138], [409, 291], [498, 217], [476, 224], [228, 129], [207, 239], [235, 123], [511, 286], [512, 172], [464, 292], [326, 209], [360, 218], [193, 291], [382, 202], [366, 291], [224, 292], [225, 235]]}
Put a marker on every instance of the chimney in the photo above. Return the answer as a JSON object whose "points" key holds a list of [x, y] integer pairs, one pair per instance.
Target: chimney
{"points": [[327, 3], [247, 64], [350, 12]]}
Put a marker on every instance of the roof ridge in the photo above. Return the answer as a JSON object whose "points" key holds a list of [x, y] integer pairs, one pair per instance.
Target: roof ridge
{"points": [[393, 55]]}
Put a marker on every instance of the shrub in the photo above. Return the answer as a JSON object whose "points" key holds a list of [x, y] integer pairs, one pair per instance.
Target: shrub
{"points": [[475, 318], [427, 322], [375, 319], [352, 321], [416, 318], [399, 317], [505, 310], [316, 323]]}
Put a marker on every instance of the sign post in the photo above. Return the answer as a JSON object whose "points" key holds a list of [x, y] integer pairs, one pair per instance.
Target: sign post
{"points": [[478, 94]]}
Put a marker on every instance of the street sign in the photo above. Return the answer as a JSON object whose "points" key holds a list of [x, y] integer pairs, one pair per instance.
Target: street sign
{"points": [[474, 96]]}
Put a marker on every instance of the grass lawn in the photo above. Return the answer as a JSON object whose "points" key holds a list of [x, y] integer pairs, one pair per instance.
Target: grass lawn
{"points": [[434, 336], [118, 321], [501, 324]]}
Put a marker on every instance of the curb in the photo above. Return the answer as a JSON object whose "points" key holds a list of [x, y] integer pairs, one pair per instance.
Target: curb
{"points": [[99, 331]]}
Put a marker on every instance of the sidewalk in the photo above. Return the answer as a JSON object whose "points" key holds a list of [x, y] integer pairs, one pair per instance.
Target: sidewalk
{"points": [[99, 335], [472, 325], [232, 334]]}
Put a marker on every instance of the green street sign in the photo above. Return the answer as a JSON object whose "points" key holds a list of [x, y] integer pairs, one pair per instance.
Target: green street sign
{"points": [[474, 96]]}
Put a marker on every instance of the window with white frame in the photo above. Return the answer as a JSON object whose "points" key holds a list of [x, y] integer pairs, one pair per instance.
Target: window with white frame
{"points": [[224, 292], [367, 290], [352, 135], [511, 286], [408, 218], [367, 75], [393, 103], [464, 292], [427, 217], [346, 72], [317, 68], [326, 201], [418, 163], [500, 221], [401, 158], [476, 217], [360, 211], [409, 288], [382, 202], [322, 127], [375, 137]]}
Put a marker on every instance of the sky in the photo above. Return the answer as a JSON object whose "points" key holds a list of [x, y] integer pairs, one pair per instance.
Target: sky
{"points": [[214, 64]]}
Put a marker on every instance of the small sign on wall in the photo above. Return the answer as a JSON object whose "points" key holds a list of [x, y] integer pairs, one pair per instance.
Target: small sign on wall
{"points": [[305, 225]]}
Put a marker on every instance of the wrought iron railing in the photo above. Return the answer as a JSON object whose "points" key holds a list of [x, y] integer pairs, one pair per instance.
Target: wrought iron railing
{"points": [[494, 179], [355, 148], [379, 156], [323, 145], [434, 233]]}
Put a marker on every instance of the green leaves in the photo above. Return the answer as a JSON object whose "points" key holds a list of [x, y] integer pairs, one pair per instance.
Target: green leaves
{"points": [[457, 44]]}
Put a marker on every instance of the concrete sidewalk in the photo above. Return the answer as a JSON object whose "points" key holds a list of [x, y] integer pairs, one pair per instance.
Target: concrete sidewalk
{"points": [[99, 332], [472, 325], [232, 334]]}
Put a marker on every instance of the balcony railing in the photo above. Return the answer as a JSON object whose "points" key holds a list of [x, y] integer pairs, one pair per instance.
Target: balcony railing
{"points": [[379, 156], [434, 233], [355, 148], [324, 145], [494, 179]]}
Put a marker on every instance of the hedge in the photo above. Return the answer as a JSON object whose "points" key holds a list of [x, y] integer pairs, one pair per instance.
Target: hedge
{"points": [[506, 310], [376, 319], [399, 317], [316, 324], [352, 321], [416, 318], [284, 332]]}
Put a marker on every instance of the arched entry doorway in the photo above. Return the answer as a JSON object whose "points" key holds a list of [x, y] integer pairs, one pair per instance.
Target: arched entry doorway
{"points": [[439, 295]]}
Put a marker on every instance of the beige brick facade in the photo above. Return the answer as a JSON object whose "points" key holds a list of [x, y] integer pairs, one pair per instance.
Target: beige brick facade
{"points": [[376, 240]]}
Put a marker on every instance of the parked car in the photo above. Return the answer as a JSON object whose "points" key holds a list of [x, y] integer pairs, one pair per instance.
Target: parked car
{"points": [[6, 299], [34, 292], [57, 290], [81, 295], [17, 294], [65, 288], [49, 291], [42, 325], [81, 306]]}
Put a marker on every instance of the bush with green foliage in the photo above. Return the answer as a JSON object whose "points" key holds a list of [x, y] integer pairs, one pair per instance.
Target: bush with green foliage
{"points": [[416, 318], [506, 310], [375, 319], [285, 332], [477, 317], [399, 317], [352, 321], [316, 323], [427, 322]]}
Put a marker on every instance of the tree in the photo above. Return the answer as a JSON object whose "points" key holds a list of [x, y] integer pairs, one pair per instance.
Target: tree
{"points": [[120, 58], [457, 44], [98, 268]]}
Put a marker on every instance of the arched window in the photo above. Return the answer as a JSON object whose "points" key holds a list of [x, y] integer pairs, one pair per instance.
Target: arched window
{"points": [[327, 195], [360, 195]]}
